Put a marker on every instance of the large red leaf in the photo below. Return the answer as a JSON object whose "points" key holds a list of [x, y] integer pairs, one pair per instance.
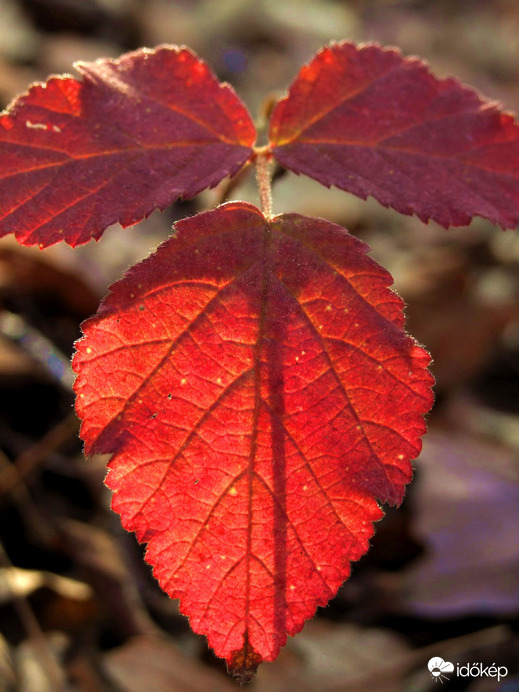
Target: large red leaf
{"points": [[256, 387], [371, 122], [136, 133]]}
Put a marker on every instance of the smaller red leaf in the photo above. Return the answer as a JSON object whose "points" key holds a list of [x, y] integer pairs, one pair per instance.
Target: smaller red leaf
{"points": [[374, 123], [135, 134]]}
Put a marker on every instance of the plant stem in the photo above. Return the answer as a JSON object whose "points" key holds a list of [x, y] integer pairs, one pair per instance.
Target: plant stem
{"points": [[263, 176]]}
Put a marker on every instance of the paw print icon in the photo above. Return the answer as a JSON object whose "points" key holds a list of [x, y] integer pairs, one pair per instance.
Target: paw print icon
{"points": [[438, 667]]}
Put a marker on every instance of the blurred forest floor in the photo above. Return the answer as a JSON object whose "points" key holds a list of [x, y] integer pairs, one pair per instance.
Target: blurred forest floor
{"points": [[79, 609]]}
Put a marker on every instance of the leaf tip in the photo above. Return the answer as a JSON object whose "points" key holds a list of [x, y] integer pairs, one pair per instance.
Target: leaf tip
{"points": [[243, 663]]}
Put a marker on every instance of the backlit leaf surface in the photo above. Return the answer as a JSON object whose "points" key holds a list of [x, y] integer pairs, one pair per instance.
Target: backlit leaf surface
{"points": [[136, 133], [373, 123], [258, 393]]}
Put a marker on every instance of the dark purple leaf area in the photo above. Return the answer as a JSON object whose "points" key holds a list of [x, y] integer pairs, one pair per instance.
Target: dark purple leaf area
{"points": [[137, 133], [374, 123]]}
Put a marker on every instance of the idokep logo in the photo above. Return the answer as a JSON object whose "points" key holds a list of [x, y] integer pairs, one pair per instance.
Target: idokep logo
{"points": [[439, 667]]}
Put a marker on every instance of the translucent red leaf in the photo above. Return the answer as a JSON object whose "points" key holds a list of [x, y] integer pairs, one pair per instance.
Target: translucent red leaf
{"points": [[135, 134], [255, 385], [374, 123]]}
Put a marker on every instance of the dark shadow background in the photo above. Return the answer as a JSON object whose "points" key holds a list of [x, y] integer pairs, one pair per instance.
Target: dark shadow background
{"points": [[78, 608]]}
